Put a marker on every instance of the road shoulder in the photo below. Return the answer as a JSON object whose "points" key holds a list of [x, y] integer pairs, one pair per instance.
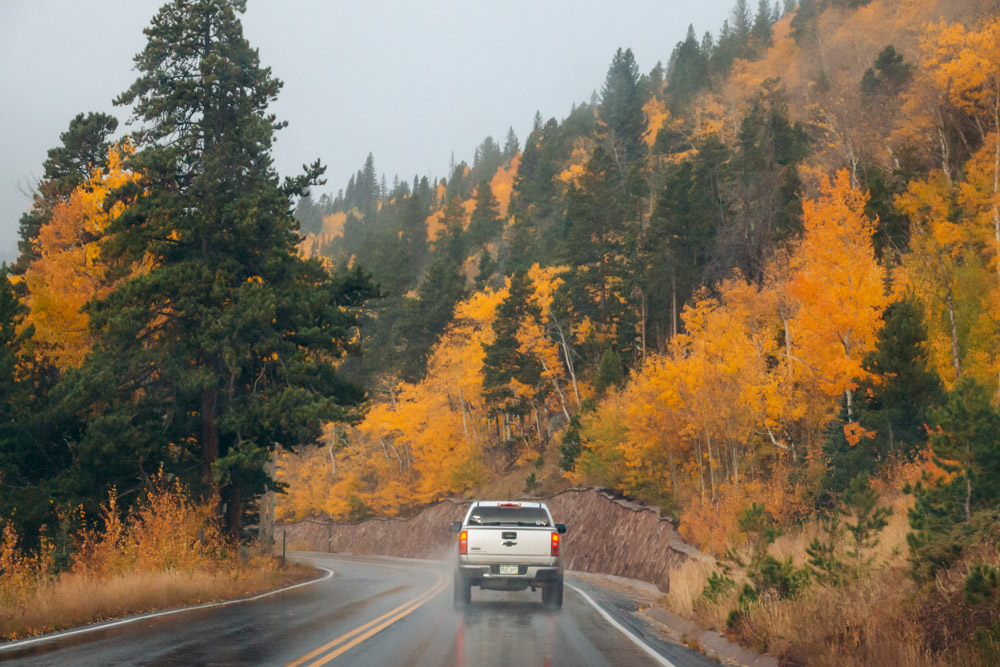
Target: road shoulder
{"points": [[640, 600]]}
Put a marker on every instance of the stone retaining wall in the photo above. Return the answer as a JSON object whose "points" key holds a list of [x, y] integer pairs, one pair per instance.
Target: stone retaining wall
{"points": [[604, 535]]}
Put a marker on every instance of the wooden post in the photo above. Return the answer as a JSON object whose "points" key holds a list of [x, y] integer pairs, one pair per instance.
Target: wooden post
{"points": [[283, 533]]}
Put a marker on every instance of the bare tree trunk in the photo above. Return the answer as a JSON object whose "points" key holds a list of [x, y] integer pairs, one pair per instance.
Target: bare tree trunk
{"points": [[673, 302], [209, 438], [465, 426], [538, 426], [234, 510], [567, 357], [642, 293], [562, 399], [265, 526], [711, 466], [788, 346], [701, 468], [968, 497], [736, 470], [955, 358], [673, 470], [385, 452]]}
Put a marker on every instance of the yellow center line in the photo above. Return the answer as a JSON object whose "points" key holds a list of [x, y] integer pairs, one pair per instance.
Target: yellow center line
{"points": [[392, 616]]}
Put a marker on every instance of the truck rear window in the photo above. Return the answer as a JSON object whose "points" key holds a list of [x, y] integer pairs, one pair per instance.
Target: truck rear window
{"points": [[508, 516]]}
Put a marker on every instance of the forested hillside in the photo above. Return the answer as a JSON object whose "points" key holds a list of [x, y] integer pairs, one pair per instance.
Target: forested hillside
{"points": [[747, 276], [757, 286]]}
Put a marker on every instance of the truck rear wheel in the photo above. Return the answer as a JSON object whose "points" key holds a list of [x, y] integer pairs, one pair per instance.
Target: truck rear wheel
{"points": [[463, 590], [552, 594]]}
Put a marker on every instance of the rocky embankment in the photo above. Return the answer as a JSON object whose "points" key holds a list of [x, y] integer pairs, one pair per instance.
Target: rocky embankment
{"points": [[605, 535]]}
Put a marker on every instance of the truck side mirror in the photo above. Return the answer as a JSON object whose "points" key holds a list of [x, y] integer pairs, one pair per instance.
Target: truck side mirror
{"points": [[561, 528], [456, 526]]}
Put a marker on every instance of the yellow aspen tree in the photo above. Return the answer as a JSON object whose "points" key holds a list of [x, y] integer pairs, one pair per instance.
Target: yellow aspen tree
{"points": [[68, 271], [839, 288]]}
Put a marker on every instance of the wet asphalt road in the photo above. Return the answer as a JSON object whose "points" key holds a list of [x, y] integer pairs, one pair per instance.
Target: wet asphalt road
{"points": [[374, 611]]}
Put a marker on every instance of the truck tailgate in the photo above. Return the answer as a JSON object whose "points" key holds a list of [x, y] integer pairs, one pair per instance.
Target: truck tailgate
{"points": [[510, 544]]}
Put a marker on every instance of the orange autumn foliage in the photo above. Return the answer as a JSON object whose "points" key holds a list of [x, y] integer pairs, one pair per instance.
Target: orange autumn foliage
{"points": [[68, 273], [656, 113], [693, 427], [839, 287], [502, 185], [435, 438], [167, 530]]}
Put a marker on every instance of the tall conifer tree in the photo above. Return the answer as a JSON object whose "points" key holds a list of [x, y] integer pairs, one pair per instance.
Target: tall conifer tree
{"points": [[621, 107], [222, 342]]}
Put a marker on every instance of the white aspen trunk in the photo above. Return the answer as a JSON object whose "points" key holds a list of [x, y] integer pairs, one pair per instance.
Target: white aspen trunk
{"points": [[399, 459], [711, 465], [562, 399], [385, 452], [465, 425], [538, 426], [567, 356], [673, 470], [701, 468], [736, 470], [955, 359], [643, 294]]}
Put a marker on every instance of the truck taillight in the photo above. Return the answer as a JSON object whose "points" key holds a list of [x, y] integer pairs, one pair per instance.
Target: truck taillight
{"points": [[555, 544], [463, 542]]}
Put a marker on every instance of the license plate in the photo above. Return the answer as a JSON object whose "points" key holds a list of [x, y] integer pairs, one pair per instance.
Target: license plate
{"points": [[508, 569]]}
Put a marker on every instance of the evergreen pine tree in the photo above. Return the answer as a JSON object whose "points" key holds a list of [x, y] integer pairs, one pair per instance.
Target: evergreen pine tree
{"points": [[896, 408], [888, 75], [503, 360], [609, 373], [803, 24], [425, 318], [84, 147], [484, 223], [487, 159], [226, 343], [510, 145], [621, 107], [760, 33], [487, 268], [687, 71], [309, 215], [452, 242], [951, 513]]}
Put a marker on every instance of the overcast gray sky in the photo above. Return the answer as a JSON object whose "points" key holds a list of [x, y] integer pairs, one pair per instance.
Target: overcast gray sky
{"points": [[410, 82]]}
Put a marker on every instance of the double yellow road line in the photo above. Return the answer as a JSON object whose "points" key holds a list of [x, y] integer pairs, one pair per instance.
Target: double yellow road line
{"points": [[338, 646]]}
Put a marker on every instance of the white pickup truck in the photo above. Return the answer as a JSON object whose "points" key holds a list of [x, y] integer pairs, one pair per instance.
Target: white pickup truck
{"points": [[509, 546]]}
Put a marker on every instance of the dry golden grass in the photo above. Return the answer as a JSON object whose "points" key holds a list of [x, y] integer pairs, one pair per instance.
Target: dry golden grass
{"points": [[687, 581], [868, 621], [73, 599], [167, 552]]}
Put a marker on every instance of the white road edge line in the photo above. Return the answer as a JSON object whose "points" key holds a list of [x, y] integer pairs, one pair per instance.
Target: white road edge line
{"points": [[132, 619], [638, 642]]}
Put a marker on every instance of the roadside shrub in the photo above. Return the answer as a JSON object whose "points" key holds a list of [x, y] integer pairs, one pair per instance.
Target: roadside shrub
{"points": [[718, 585]]}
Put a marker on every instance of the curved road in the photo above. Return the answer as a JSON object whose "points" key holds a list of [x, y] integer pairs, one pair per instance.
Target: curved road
{"points": [[374, 611]]}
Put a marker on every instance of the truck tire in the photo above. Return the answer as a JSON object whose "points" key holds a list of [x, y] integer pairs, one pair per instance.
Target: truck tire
{"points": [[552, 594], [463, 590]]}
